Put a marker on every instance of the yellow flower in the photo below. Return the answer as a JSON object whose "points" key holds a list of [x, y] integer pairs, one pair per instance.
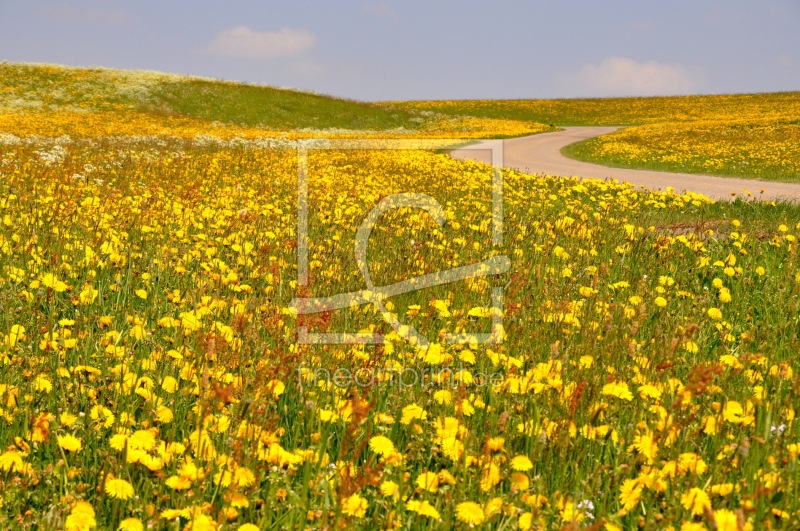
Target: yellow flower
{"points": [[618, 389], [490, 477], [11, 461], [355, 505], [178, 483], [119, 488], [428, 481], [495, 444], [42, 384], [248, 527], [424, 508], [715, 313], [67, 419], [691, 462], [723, 489], [629, 494], [164, 414], [411, 413], [389, 488], [521, 463], [141, 293], [696, 501], [470, 513], [443, 397], [725, 295], [81, 518], [88, 295], [70, 443], [169, 384], [660, 302], [726, 520], [570, 513], [646, 446], [52, 282], [202, 522], [131, 524], [520, 481], [15, 334], [435, 354], [381, 445], [736, 414]]}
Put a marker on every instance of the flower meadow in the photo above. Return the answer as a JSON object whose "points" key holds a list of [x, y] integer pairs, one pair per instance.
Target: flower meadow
{"points": [[760, 148], [744, 135], [153, 379], [53, 100]]}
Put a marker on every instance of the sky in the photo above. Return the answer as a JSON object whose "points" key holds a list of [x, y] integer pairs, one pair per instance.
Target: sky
{"points": [[430, 49]]}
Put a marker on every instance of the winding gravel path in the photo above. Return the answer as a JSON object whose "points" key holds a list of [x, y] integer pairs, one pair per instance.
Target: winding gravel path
{"points": [[542, 154]]}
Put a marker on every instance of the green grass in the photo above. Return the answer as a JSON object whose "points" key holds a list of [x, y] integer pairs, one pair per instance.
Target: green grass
{"points": [[619, 111], [41, 87], [276, 108]]}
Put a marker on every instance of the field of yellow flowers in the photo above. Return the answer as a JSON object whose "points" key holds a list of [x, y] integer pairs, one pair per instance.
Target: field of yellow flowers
{"points": [[763, 149], [152, 375], [743, 135], [53, 100]]}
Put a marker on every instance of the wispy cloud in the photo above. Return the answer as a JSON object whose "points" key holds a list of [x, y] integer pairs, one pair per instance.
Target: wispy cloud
{"points": [[83, 13], [242, 41], [379, 8], [620, 76]]}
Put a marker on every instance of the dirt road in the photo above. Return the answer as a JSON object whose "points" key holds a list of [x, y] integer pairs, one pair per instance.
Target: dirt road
{"points": [[542, 153]]}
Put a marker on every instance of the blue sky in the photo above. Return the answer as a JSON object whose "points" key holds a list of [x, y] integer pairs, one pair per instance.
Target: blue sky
{"points": [[385, 50]]}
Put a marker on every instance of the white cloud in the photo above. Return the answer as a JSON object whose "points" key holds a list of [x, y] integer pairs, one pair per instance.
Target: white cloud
{"points": [[620, 76], [68, 12], [379, 8], [242, 41]]}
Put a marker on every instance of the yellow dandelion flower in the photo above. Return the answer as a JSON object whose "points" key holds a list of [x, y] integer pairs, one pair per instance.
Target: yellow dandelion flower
{"points": [[70, 443], [412, 412], [81, 518], [520, 481], [381, 445], [11, 461], [428, 481], [390, 489], [423, 508], [354, 505], [696, 501], [52, 282], [726, 520], [521, 463], [629, 494], [119, 488], [470, 513], [164, 414], [131, 524], [618, 389]]}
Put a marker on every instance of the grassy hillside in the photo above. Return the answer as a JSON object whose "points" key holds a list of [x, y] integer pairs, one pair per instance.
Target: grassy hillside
{"points": [[53, 100], [622, 111], [36, 86]]}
